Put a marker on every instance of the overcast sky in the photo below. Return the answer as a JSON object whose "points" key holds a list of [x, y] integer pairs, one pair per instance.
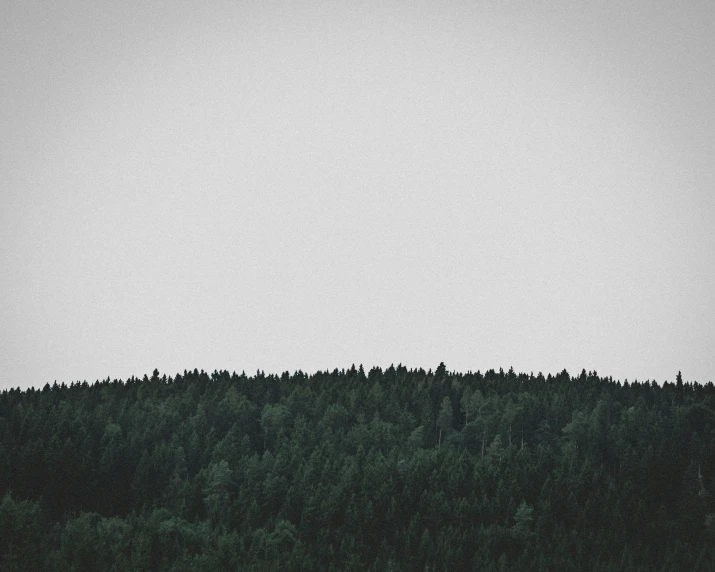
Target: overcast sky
{"points": [[308, 185]]}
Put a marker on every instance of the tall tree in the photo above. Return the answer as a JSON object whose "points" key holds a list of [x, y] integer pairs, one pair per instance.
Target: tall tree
{"points": [[444, 419]]}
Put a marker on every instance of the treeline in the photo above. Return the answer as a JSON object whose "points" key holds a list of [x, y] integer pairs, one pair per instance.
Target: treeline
{"points": [[394, 469]]}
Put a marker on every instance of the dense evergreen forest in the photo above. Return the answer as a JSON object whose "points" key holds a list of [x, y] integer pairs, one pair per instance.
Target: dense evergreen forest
{"points": [[394, 469]]}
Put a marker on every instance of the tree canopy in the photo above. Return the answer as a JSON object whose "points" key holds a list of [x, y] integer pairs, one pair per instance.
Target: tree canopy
{"points": [[394, 469]]}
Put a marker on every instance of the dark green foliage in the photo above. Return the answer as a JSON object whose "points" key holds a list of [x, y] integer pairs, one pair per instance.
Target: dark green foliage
{"points": [[390, 470], [22, 537]]}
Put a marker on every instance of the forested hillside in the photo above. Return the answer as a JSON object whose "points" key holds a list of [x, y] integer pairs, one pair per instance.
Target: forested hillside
{"points": [[393, 469]]}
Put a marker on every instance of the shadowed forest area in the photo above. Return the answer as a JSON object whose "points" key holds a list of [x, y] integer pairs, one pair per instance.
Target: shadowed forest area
{"points": [[393, 469]]}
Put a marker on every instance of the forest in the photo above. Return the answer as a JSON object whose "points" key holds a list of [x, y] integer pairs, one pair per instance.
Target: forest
{"points": [[393, 469]]}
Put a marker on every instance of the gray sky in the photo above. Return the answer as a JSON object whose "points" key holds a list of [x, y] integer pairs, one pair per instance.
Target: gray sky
{"points": [[307, 185]]}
